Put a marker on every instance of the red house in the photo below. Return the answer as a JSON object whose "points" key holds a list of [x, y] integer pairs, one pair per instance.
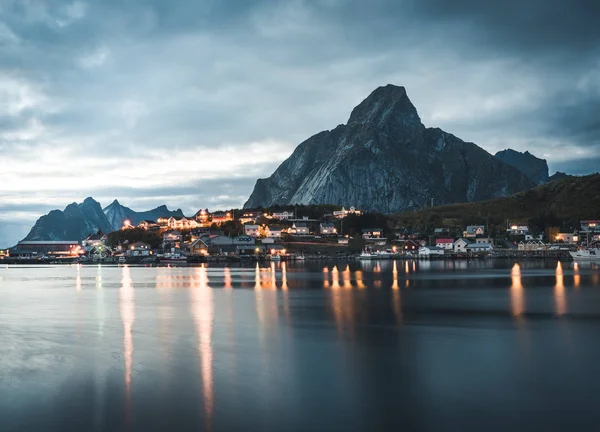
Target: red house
{"points": [[411, 246]]}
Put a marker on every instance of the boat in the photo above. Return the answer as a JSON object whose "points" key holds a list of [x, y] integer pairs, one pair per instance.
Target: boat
{"points": [[300, 257], [589, 254], [173, 258], [365, 256]]}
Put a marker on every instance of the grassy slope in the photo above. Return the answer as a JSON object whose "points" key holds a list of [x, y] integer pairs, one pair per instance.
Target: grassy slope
{"points": [[569, 199]]}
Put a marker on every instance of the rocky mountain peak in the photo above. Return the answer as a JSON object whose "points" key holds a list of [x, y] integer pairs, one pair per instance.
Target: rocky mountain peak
{"points": [[534, 168], [388, 105]]}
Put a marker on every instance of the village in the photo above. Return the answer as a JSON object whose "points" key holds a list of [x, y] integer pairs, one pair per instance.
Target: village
{"points": [[257, 235]]}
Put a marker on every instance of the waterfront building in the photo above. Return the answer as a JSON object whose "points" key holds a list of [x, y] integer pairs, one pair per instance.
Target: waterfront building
{"points": [[411, 246], [47, 247], [274, 232], [431, 251], [138, 249], [479, 248], [460, 245], [569, 238], [444, 243]]}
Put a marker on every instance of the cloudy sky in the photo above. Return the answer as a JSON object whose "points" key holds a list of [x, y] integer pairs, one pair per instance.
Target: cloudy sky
{"points": [[188, 102]]}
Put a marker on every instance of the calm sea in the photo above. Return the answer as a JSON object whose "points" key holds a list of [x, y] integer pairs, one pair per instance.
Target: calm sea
{"points": [[327, 346]]}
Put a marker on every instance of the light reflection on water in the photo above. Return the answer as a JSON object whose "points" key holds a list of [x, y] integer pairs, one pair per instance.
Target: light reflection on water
{"points": [[267, 354]]}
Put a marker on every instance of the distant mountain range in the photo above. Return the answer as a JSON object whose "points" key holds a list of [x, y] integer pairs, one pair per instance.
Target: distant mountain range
{"points": [[384, 159], [77, 221]]}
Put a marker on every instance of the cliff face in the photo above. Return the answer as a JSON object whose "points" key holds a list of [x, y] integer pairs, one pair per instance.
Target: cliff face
{"points": [[534, 168], [384, 159]]}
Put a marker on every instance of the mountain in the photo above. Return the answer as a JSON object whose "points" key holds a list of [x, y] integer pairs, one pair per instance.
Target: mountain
{"points": [[534, 168], [117, 214], [559, 176], [384, 159], [77, 221]]}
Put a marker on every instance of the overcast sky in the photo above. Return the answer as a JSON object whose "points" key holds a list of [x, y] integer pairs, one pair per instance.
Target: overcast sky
{"points": [[187, 102]]}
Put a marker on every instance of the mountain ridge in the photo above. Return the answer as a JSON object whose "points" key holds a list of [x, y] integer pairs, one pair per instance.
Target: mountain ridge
{"points": [[384, 159], [78, 220]]}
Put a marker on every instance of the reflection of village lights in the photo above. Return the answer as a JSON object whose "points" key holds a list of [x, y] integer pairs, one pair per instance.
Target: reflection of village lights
{"points": [[559, 291], [516, 291], [335, 277]]}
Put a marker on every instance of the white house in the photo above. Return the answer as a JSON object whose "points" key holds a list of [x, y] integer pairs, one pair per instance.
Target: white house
{"points": [[327, 228], [300, 228], [285, 215], [251, 230], [517, 228], [479, 248], [274, 232], [444, 243], [460, 245], [340, 214], [483, 240], [429, 251]]}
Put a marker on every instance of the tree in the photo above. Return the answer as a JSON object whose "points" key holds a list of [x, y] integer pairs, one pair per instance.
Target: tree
{"points": [[356, 244]]}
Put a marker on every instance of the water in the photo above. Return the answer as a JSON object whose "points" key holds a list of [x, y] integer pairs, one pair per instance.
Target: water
{"points": [[359, 346]]}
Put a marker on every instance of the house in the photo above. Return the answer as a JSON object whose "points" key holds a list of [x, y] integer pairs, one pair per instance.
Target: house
{"points": [[179, 223], [340, 214], [203, 217], [50, 247], [460, 245], [220, 217], [300, 228], [531, 245], [590, 226], [517, 228], [473, 231], [249, 216], [138, 249], [479, 248], [569, 238], [372, 233], [148, 224], [431, 251], [327, 228], [411, 246], [250, 250], [274, 232], [221, 240], [252, 230], [484, 239], [444, 243], [197, 247], [172, 239], [441, 232], [538, 237], [285, 215]]}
